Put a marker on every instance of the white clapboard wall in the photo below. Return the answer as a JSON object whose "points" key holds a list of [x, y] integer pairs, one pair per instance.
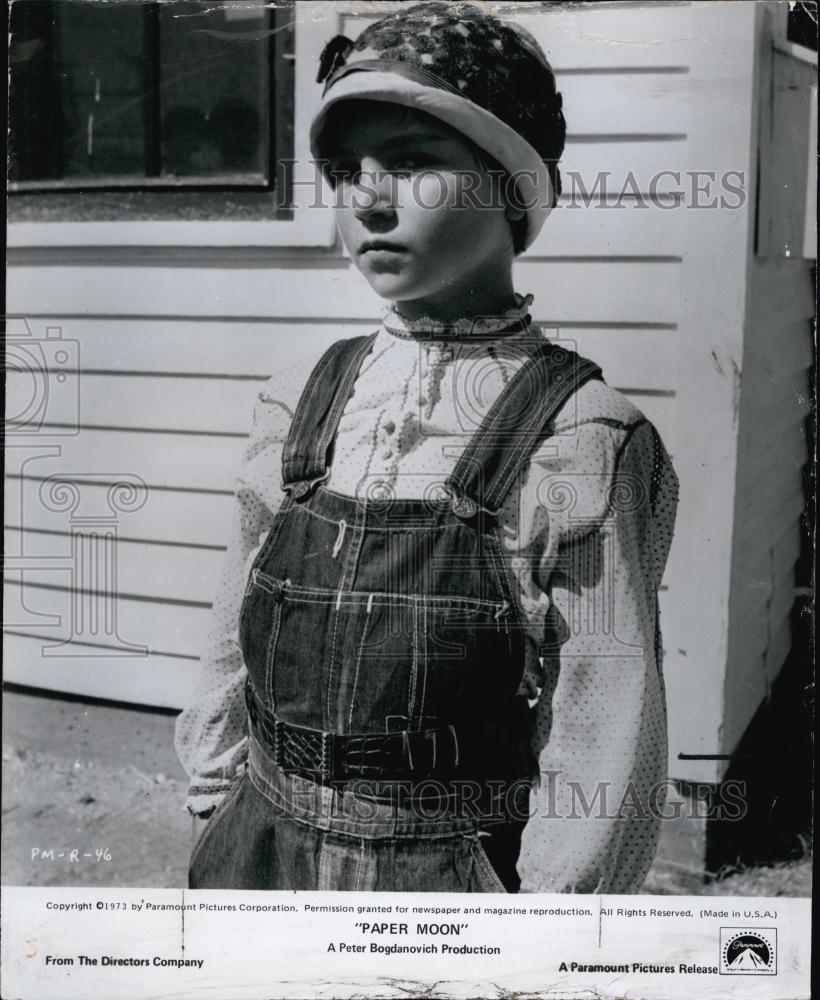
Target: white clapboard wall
{"points": [[172, 342], [774, 399]]}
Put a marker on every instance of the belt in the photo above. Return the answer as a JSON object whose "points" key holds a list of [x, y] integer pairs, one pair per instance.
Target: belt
{"points": [[325, 756]]}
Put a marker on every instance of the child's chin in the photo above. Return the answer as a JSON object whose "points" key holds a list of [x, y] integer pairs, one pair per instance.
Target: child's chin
{"points": [[388, 286]]}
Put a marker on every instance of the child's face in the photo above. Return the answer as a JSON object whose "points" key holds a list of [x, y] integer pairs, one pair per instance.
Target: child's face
{"points": [[405, 212]]}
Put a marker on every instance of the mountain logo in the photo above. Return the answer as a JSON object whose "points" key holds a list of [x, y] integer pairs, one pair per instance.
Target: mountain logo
{"points": [[750, 951]]}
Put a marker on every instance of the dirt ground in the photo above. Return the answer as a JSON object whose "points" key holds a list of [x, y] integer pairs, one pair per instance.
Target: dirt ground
{"points": [[105, 783], [90, 778]]}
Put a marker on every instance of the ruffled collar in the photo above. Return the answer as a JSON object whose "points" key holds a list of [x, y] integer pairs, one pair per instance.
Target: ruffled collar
{"points": [[514, 320]]}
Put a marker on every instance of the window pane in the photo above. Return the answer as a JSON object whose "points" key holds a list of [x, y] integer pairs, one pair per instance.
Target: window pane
{"points": [[283, 87], [213, 71], [34, 113], [104, 72], [135, 93]]}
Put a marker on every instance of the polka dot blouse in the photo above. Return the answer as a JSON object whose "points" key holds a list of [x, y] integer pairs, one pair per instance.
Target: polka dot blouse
{"points": [[586, 533]]}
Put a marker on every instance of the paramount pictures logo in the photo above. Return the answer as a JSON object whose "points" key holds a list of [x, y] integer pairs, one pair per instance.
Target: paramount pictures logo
{"points": [[750, 951]]}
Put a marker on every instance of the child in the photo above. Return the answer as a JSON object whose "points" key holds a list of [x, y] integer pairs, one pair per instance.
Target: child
{"points": [[434, 659]]}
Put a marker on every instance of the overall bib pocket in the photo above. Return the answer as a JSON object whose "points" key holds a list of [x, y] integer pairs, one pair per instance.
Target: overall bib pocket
{"points": [[259, 623]]}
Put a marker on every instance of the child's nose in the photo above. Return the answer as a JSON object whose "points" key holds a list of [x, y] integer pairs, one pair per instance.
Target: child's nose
{"points": [[376, 189]]}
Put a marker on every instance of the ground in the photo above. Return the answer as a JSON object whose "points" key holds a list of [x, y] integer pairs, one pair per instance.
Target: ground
{"points": [[91, 778], [105, 783]]}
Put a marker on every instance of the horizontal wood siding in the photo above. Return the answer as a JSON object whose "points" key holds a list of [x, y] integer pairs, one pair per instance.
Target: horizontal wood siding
{"points": [[155, 680]]}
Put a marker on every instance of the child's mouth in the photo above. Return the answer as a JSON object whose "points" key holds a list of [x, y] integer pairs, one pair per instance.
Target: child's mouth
{"points": [[379, 247]]}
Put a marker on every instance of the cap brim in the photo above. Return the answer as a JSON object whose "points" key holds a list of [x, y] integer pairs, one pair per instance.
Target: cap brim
{"points": [[489, 133]]}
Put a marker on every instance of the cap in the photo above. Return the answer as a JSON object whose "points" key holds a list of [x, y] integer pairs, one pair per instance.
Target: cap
{"points": [[485, 77]]}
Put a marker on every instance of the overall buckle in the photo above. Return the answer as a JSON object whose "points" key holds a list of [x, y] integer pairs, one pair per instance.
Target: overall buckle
{"points": [[464, 507], [300, 488], [326, 756], [278, 746]]}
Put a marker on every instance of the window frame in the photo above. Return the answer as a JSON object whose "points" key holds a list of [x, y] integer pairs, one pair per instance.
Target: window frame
{"points": [[311, 225]]}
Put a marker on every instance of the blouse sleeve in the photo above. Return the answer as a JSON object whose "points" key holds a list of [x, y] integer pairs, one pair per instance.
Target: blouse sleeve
{"points": [[600, 718], [211, 733]]}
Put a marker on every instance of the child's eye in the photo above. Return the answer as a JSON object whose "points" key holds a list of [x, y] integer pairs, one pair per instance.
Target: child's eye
{"points": [[401, 165], [408, 163], [344, 172]]}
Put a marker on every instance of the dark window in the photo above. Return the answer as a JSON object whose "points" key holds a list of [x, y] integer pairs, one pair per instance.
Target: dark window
{"points": [[142, 95], [802, 23]]}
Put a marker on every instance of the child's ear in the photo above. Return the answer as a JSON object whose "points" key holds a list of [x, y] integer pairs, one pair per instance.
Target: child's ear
{"points": [[512, 207]]}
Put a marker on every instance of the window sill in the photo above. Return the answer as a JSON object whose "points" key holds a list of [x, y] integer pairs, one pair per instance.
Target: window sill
{"points": [[151, 219], [125, 207]]}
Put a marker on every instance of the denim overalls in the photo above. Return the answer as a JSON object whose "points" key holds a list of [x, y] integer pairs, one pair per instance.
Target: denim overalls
{"points": [[389, 749]]}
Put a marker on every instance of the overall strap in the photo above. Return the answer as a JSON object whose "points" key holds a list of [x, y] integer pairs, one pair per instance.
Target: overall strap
{"points": [[304, 457], [518, 419]]}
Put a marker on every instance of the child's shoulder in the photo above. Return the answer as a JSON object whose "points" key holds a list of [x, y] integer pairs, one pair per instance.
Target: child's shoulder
{"points": [[596, 403], [595, 430], [293, 365], [279, 395], [291, 368], [600, 446]]}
